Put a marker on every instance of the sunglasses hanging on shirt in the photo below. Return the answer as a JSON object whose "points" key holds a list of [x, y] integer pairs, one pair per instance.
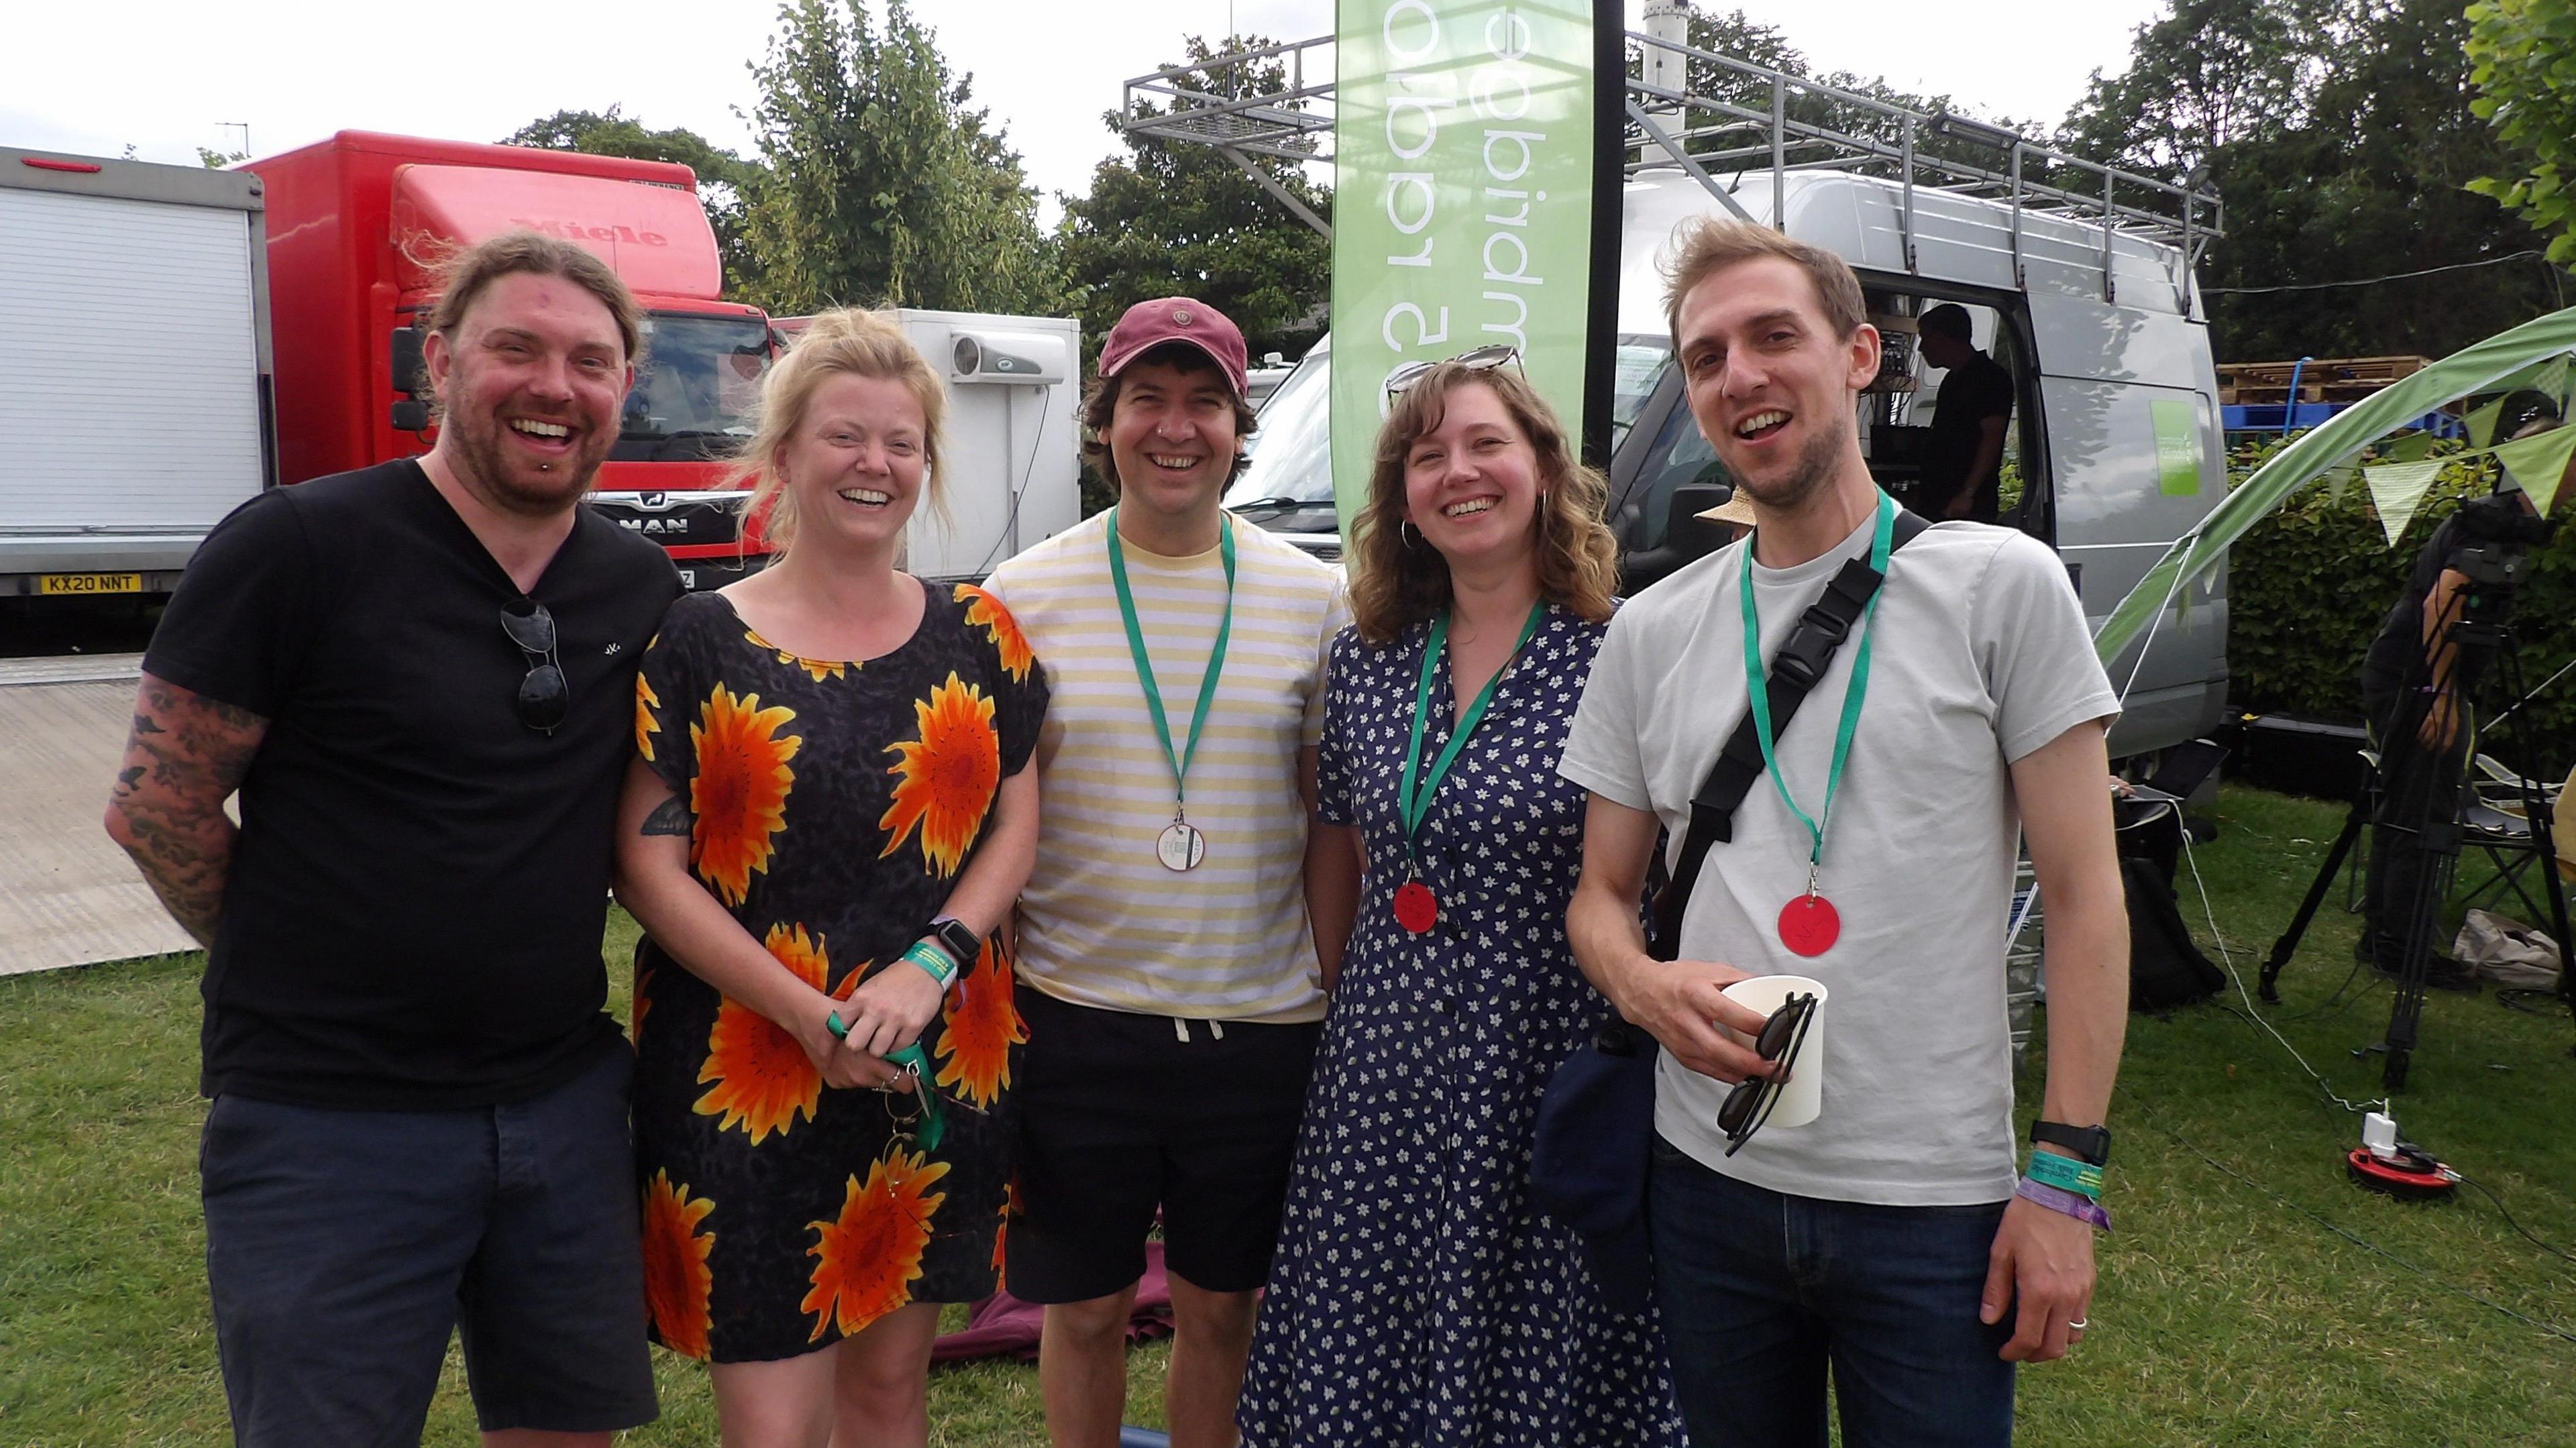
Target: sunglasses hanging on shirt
{"points": [[544, 698]]}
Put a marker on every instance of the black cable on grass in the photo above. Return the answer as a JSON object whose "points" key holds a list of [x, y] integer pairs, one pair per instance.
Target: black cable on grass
{"points": [[2358, 1240], [2490, 1195]]}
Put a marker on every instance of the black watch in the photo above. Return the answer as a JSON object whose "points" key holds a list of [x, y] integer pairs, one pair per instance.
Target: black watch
{"points": [[959, 939], [2092, 1143]]}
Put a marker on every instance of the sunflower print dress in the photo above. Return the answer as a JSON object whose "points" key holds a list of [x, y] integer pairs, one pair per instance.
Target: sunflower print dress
{"points": [[834, 805]]}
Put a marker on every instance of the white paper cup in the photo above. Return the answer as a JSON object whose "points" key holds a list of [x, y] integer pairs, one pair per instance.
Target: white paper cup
{"points": [[1802, 1097]]}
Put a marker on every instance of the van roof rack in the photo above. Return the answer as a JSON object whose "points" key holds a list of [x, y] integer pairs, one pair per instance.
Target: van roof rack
{"points": [[1709, 114]]}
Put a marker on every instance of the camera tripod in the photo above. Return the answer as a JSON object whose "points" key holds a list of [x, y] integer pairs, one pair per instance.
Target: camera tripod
{"points": [[2485, 665]]}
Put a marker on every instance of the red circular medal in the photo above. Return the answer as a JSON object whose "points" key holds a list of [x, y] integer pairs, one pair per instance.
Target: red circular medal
{"points": [[1416, 908], [1809, 925]]}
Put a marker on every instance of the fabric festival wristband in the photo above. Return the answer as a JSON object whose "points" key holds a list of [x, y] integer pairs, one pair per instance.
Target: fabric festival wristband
{"points": [[2082, 1209], [2066, 1174], [933, 961]]}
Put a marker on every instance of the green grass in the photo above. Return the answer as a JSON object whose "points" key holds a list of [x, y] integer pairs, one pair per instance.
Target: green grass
{"points": [[2224, 1315]]}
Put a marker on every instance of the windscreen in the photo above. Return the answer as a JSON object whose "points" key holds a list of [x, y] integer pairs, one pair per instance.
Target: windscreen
{"points": [[693, 396], [1292, 451]]}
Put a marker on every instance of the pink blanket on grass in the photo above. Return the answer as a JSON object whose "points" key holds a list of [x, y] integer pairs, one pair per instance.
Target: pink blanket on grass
{"points": [[1004, 1325]]}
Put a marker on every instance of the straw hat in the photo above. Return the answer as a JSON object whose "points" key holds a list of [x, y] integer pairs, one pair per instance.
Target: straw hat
{"points": [[1737, 509]]}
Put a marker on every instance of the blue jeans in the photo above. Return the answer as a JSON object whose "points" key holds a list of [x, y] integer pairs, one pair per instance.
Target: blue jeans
{"points": [[343, 1247], [1761, 1292]]}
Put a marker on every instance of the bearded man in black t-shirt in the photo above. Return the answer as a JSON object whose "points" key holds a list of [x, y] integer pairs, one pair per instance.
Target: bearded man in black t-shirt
{"points": [[420, 679]]}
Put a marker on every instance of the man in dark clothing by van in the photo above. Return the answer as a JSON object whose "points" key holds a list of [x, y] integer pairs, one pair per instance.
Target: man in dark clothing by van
{"points": [[1963, 463]]}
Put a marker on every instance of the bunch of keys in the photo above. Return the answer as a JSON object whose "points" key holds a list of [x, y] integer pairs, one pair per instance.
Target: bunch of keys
{"points": [[910, 1061]]}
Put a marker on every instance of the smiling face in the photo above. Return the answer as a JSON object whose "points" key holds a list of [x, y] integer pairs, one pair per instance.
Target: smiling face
{"points": [[854, 465], [1471, 483], [531, 381], [1769, 382], [1172, 437]]}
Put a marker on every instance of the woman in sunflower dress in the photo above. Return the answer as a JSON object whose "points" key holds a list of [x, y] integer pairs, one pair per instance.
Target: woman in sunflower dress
{"points": [[831, 761]]}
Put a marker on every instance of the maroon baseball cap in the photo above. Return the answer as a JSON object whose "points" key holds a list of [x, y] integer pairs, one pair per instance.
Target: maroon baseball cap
{"points": [[1148, 325]]}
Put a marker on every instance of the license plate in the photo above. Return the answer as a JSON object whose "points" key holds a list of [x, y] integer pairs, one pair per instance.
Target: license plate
{"points": [[688, 578], [89, 583]]}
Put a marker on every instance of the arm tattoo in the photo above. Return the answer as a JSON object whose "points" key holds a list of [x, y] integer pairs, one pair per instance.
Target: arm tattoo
{"points": [[185, 757], [671, 817]]}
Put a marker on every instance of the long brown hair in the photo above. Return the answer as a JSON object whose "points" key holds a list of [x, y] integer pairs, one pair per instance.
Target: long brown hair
{"points": [[1399, 580]]}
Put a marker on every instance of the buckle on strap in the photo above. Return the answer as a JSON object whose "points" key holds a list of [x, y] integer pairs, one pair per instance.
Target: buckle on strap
{"points": [[1825, 625]]}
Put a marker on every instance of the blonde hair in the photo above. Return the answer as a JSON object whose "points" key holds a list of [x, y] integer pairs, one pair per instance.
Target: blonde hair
{"points": [[1398, 581], [846, 341], [1707, 245]]}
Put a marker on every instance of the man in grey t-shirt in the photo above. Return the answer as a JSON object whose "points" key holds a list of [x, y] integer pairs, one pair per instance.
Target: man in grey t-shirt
{"points": [[1887, 1238]]}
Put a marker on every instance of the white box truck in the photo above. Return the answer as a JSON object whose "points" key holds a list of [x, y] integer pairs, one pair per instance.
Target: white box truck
{"points": [[1014, 461], [134, 368]]}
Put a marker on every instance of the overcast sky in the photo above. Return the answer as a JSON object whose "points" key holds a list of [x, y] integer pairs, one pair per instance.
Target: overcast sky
{"points": [[166, 75]]}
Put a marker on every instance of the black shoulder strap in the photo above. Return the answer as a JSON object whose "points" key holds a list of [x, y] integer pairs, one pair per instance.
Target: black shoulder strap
{"points": [[1801, 661]]}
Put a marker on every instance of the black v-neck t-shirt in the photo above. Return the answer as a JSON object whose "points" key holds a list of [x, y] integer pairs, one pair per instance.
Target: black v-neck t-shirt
{"points": [[412, 919]]}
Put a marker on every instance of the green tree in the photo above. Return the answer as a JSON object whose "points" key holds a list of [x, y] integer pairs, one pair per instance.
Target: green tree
{"points": [[726, 182], [2340, 135], [1182, 219], [884, 183], [2524, 53], [214, 160]]}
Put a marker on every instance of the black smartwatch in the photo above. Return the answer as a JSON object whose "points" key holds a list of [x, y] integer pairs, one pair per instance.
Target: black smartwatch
{"points": [[959, 939], [2092, 1143]]}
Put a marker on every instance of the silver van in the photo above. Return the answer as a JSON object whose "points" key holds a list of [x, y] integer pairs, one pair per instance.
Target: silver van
{"points": [[2078, 280]]}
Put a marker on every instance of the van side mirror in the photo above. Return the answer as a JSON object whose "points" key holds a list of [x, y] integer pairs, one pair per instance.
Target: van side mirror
{"points": [[411, 378], [1685, 531], [411, 373]]}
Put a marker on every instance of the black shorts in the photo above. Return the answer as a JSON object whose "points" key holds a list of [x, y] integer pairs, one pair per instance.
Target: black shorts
{"points": [[1121, 1116]]}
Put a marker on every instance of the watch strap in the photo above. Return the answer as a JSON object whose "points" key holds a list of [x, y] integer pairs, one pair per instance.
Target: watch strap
{"points": [[963, 944], [2092, 1143]]}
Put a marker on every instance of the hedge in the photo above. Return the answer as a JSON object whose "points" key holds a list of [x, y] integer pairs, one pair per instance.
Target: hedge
{"points": [[2310, 585]]}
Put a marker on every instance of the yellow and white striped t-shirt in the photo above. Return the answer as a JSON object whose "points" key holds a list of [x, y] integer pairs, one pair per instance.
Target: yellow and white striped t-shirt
{"points": [[1102, 923]]}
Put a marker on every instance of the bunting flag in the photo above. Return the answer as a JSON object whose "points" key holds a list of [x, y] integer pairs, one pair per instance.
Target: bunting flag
{"points": [[2410, 448], [2539, 463], [2396, 489], [2552, 383], [2482, 423]]}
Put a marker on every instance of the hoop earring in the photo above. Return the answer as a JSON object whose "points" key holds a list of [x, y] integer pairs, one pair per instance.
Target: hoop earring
{"points": [[1410, 535]]}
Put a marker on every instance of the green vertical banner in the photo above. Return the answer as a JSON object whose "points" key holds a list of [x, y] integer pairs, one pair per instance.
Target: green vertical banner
{"points": [[1462, 201]]}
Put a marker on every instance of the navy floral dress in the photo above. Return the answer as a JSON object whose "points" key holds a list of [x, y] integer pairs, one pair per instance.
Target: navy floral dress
{"points": [[1418, 1297]]}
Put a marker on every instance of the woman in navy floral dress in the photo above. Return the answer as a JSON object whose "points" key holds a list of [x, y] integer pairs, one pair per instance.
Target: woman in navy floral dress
{"points": [[1418, 1296]]}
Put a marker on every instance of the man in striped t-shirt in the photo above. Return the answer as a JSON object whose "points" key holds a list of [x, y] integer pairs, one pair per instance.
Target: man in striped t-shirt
{"points": [[1171, 981]]}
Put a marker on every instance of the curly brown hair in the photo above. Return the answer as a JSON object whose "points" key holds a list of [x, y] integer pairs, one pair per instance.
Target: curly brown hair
{"points": [[1398, 581]]}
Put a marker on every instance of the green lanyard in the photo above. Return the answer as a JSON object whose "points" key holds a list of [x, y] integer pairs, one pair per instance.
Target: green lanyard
{"points": [[1853, 693], [1145, 665], [1412, 805]]}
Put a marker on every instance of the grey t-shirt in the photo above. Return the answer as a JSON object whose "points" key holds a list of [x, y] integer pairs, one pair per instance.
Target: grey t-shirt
{"points": [[1981, 656]]}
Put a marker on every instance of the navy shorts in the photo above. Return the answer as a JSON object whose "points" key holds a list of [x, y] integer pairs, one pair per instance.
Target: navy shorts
{"points": [[342, 1247], [1125, 1115]]}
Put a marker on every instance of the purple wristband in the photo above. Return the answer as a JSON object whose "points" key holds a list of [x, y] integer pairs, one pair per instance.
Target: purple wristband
{"points": [[2058, 1199]]}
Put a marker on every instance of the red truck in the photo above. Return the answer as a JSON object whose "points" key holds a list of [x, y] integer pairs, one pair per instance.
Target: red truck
{"points": [[350, 222]]}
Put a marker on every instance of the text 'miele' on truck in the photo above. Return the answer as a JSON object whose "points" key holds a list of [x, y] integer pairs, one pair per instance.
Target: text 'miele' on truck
{"points": [[356, 221]]}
